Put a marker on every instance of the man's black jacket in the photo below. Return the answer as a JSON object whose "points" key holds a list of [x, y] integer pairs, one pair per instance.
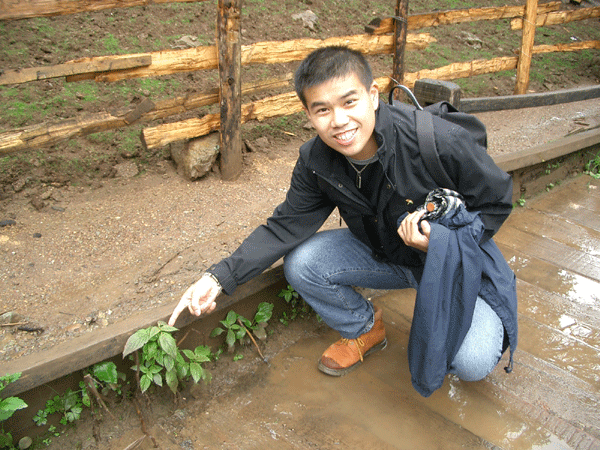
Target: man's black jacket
{"points": [[319, 184]]}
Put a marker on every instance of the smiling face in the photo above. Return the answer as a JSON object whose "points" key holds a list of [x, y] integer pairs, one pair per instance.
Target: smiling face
{"points": [[342, 111]]}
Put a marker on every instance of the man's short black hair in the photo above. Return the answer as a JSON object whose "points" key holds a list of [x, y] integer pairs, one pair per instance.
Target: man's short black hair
{"points": [[329, 63]]}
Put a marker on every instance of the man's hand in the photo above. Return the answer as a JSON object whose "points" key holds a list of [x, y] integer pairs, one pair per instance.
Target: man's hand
{"points": [[410, 233], [200, 297]]}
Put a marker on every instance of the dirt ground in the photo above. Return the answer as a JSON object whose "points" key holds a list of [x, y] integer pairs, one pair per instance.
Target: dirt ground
{"points": [[81, 249]]}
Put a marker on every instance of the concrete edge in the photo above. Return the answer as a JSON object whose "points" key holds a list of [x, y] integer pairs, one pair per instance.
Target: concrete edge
{"points": [[88, 349]]}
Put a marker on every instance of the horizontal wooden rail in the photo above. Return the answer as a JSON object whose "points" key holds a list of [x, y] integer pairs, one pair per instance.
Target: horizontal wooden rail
{"points": [[27, 9], [102, 64], [417, 21], [272, 52], [559, 17], [40, 135]]}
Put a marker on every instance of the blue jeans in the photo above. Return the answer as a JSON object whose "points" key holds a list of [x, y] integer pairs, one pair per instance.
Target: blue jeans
{"points": [[325, 269]]}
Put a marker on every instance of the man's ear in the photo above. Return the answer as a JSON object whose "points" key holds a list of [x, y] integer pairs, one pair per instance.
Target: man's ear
{"points": [[374, 93]]}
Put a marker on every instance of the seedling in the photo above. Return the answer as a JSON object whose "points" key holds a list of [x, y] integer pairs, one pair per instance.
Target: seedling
{"points": [[592, 168], [8, 406], [161, 360], [238, 327], [299, 308]]}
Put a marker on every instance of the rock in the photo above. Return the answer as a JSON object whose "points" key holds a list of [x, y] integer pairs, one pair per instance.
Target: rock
{"points": [[127, 169], [20, 184], [7, 223], [196, 158], [471, 40], [25, 443], [10, 317], [186, 42], [37, 203], [37, 235], [309, 19]]}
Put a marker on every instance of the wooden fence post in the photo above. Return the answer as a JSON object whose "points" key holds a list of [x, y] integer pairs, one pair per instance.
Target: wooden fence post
{"points": [[524, 63], [401, 28], [230, 63]]}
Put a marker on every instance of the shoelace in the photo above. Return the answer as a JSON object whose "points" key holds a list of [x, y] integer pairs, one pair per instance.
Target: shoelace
{"points": [[358, 342]]}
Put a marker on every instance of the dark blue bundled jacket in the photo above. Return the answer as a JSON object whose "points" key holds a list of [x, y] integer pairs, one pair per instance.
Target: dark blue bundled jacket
{"points": [[457, 269]]}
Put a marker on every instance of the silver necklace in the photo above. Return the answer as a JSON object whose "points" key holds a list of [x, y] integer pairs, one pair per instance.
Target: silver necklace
{"points": [[359, 172]]}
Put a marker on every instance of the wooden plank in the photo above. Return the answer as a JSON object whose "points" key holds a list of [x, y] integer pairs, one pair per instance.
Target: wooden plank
{"points": [[229, 34], [524, 63], [104, 64], [551, 226], [26, 9], [168, 62], [481, 104], [559, 17], [435, 19], [566, 352], [99, 345], [552, 311], [551, 251], [575, 288]]}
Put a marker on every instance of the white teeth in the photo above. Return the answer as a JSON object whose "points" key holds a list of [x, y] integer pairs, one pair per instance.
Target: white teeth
{"points": [[344, 137]]}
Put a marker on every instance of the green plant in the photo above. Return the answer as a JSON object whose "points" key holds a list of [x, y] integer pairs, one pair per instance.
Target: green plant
{"points": [[8, 406], [161, 359], [521, 201], [592, 168], [70, 406], [299, 308], [237, 327], [107, 378]]}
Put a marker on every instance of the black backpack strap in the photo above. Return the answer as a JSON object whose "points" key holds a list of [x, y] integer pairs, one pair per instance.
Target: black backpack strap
{"points": [[428, 150]]}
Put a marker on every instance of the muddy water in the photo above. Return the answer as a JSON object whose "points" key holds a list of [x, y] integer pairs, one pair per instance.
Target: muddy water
{"points": [[292, 405]]}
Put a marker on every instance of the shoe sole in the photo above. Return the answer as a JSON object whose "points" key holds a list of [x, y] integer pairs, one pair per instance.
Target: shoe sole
{"points": [[340, 372]]}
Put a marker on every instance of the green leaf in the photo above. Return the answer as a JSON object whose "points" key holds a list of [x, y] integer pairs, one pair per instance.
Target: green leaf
{"points": [[231, 318], [6, 440], [230, 339], [197, 371], [169, 362], [106, 372], [189, 354], [172, 380], [168, 344], [264, 312], [217, 332], [145, 383], [164, 327], [136, 341], [158, 379], [9, 405], [202, 353]]}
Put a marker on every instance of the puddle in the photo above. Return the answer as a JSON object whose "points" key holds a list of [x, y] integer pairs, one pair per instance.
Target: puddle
{"points": [[293, 405]]}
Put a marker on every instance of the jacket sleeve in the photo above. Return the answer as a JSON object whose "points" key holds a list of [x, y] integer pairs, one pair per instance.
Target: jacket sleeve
{"points": [[486, 187], [302, 213]]}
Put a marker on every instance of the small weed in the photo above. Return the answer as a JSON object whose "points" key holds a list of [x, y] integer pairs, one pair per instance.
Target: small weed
{"points": [[237, 327], [521, 202], [299, 308], [8, 406], [592, 168]]}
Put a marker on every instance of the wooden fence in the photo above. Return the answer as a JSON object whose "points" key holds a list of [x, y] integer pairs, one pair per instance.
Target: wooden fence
{"points": [[229, 56]]}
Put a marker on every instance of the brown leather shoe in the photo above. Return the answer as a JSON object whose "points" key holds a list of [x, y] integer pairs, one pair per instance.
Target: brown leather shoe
{"points": [[346, 355]]}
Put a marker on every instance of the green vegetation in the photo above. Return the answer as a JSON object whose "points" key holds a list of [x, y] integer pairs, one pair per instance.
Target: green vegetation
{"points": [[592, 168], [8, 406]]}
